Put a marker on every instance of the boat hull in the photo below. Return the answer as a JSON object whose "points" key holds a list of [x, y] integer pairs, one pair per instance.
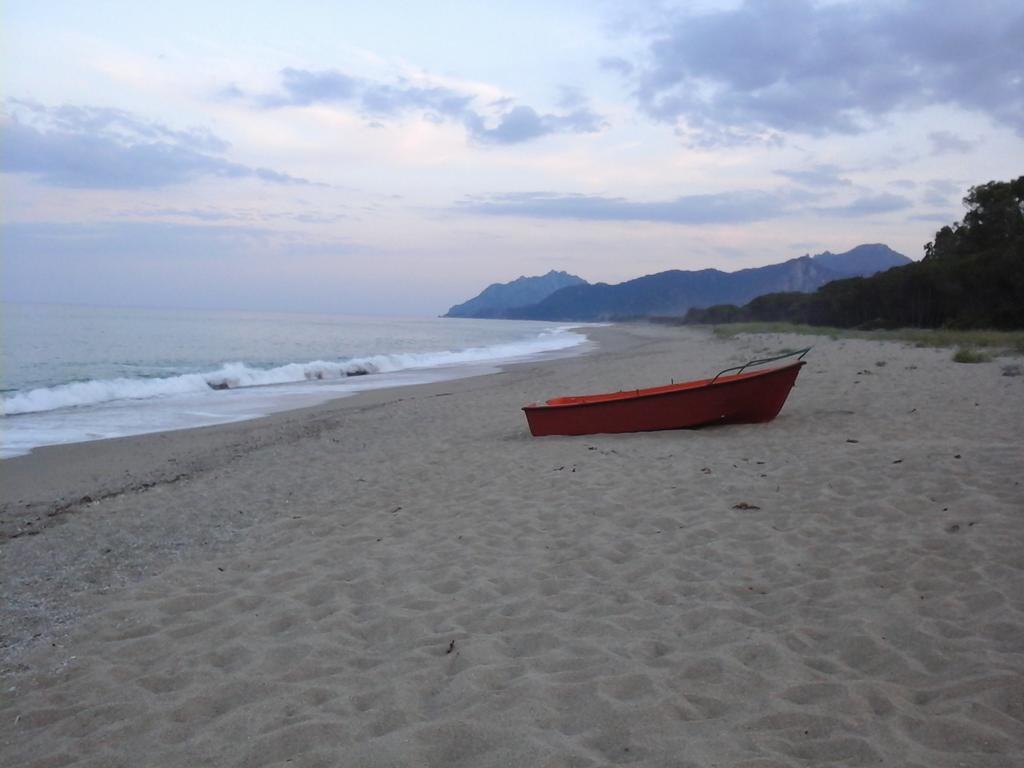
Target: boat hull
{"points": [[744, 398]]}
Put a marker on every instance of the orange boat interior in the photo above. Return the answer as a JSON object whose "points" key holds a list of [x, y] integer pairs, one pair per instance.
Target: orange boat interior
{"points": [[633, 393]]}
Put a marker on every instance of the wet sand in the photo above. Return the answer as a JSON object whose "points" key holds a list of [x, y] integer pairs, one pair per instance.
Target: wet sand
{"points": [[406, 577]]}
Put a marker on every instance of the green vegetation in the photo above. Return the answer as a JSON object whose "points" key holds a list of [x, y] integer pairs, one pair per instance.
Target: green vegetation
{"points": [[996, 341], [972, 276], [970, 356]]}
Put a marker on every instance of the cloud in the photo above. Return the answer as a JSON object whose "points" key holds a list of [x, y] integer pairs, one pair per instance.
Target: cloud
{"points": [[935, 199], [100, 148], [723, 208], [503, 123], [577, 121], [571, 96], [947, 142], [616, 64], [198, 214], [869, 205], [523, 124], [817, 176], [946, 186], [941, 193], [517, 125], [390, 100], [301, 88], [824, 68], [71, 118], [939, 218], [237, 215]]}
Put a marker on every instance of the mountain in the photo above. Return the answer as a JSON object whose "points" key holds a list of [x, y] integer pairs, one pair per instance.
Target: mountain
{"points": [[676, 291], [862, 261], [498, 299], [971, 276]]}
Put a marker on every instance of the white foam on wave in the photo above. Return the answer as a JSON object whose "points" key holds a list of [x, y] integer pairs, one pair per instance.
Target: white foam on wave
{"points": [[239, 375]]}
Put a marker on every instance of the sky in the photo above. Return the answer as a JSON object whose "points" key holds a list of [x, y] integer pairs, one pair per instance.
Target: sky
{"points": [[394, 158]]}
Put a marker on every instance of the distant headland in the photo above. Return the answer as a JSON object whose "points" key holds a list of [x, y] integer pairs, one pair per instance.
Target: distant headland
{"points": [[562, 296]]}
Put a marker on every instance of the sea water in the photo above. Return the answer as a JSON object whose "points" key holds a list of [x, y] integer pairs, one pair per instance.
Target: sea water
{"points": [[76, 373]]}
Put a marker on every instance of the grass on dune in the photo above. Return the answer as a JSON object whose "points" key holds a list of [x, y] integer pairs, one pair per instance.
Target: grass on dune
{"points": [[1002, 342], [963, 355]]}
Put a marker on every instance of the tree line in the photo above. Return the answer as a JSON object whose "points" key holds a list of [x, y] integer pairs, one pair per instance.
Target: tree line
{"points": [[971, 276]]}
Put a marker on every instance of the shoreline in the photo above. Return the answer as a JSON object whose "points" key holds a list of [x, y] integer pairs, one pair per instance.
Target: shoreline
{"points": [[55, 483], [405, 576], [51, 478], [95, 409]]}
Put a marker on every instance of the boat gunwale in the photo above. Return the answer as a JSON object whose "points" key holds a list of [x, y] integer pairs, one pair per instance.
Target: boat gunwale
{"points": [[645, 394]]}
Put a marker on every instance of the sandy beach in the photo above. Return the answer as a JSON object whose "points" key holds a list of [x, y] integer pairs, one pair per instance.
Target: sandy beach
{"points": [[407, 578]]}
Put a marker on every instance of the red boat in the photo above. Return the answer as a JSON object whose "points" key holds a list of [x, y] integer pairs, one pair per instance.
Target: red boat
{"points": [[737, 398]]}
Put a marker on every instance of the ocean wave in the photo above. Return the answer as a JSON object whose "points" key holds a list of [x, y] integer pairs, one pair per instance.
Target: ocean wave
{"points": [[237, 375]]}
